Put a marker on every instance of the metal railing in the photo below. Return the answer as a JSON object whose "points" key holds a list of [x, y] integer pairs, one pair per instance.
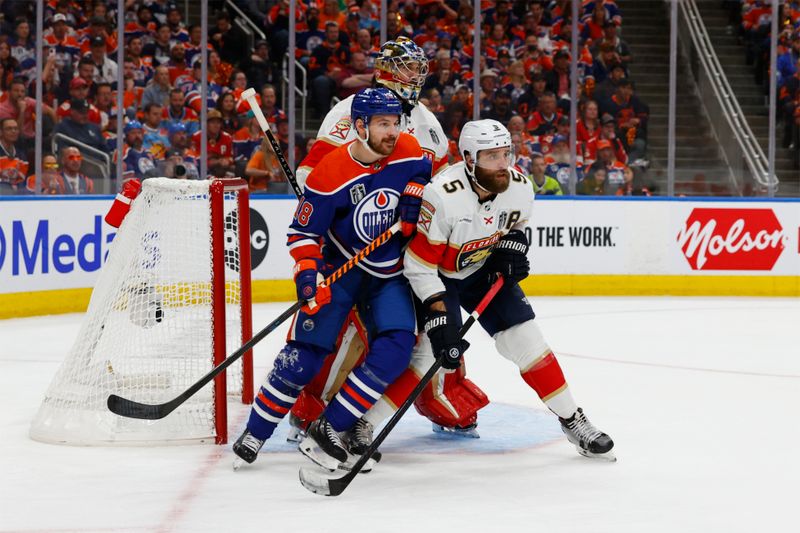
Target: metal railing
{"points": [[247, 26], [739, 146], [91, 157], [301, 91]]}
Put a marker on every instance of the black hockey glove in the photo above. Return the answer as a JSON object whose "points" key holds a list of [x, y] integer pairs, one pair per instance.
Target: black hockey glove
{"points": [[510, 257], [447, 343]]}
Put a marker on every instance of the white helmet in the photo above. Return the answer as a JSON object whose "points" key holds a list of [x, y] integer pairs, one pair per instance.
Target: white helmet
{"points": [[482, 135]]}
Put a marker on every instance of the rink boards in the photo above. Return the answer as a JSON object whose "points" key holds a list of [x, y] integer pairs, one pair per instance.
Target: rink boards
{"points": [[51, 249]]}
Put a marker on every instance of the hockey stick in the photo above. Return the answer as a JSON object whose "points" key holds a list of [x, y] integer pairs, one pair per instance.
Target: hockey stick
{"points": [[249, 94], [131, 409], [318, 483]]}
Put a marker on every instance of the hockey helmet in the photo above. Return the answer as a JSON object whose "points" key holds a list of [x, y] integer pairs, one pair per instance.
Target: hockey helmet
{"points": [[374, 101], [480, 135], [401, 66]]}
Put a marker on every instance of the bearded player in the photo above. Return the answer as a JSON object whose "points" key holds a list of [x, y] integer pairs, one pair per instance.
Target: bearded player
{"points": [[400, 67], [470, 229]]}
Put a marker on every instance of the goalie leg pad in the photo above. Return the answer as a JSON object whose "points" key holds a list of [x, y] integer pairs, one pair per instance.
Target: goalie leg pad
{"points": [[449, 399], [349, 353], [365, 385]]}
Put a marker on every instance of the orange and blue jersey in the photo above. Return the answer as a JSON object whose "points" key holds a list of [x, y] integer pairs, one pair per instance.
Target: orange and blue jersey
{"points": [[347, 204]]}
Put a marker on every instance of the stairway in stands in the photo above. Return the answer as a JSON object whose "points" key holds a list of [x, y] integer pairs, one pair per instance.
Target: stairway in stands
{"points": [[753, 98], [699, 167]]}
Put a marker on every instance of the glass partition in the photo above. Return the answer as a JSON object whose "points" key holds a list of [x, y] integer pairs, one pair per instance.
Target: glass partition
{"points": [[650, 97]]}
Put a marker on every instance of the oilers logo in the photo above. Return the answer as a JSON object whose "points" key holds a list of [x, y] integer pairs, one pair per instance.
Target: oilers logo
{"points": [[375, 213]]}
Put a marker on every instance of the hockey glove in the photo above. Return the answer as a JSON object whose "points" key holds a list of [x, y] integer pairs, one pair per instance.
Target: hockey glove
{"points": [[510, 257], [307, 278], [410, 202], [448, 346]]}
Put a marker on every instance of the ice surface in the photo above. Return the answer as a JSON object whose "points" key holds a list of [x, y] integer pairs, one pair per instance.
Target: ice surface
{"points": [[701, 396]]}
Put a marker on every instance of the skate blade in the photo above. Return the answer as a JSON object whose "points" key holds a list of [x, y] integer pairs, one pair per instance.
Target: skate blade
{"points": [[315, 481], [608, 456], [238, 463], [295, 435], [310, 449], [471, 433], [348, 465]]}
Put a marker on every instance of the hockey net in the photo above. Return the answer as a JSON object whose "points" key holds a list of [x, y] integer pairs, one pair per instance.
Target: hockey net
{"points": [[172, 300]]}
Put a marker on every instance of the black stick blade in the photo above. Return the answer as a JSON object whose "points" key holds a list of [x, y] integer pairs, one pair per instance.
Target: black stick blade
{"points": [[320, 483], [130, 409]]}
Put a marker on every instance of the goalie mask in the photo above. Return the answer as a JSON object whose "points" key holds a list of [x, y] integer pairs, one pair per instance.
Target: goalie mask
{"points": [[488, 154], [402, 67]]}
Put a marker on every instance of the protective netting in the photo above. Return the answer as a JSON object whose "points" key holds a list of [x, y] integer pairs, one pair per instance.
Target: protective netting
{"points": [[148, 332]]}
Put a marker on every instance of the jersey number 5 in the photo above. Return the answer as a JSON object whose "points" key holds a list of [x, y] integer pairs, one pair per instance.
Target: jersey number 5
{"points": [[303, 213], [453, 186]]}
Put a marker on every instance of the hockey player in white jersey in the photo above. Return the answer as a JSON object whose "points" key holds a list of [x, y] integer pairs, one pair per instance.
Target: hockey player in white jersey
{"points": [[401, 67], [470, 229]]}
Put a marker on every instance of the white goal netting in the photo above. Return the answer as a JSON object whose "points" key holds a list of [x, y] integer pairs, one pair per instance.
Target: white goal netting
{"points": [[148, 333]]}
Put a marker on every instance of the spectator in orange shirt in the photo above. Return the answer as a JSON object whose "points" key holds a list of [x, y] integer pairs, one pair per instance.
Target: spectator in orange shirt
{"points": [[364, 44], [332, 13], [262, 171], [51, 182], [13, 162]]}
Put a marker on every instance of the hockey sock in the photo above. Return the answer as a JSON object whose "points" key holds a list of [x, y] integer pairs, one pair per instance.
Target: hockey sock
{"points": [[379, 412], [524, 344], [275, 398], [547, 379], [358, 394]]}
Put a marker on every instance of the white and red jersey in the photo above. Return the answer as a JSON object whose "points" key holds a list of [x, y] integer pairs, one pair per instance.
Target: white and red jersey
{"points": [[456, 232], [337, 129]]}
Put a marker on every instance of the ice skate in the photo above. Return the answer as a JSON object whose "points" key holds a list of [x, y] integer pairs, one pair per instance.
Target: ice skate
{"points": [[589, 441], [296, 431], [246, 449], [359, 439], [323, 445], [470, 431]]}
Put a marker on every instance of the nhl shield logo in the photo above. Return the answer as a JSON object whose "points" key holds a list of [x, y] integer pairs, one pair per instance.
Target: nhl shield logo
{"points": [[357, 193]]}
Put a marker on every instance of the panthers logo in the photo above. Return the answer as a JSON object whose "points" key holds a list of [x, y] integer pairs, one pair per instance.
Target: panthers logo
{"points": [[475, 252]]}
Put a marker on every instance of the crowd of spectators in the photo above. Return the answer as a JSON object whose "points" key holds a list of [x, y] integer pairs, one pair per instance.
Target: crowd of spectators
{"points": [[524, 82], [751, 20]]}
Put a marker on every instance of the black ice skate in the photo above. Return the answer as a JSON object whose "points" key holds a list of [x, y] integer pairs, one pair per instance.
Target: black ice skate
{"points": [[323, 445], [246, 449], [470, 431], [296, 431], [359, 439], [590, 441]]}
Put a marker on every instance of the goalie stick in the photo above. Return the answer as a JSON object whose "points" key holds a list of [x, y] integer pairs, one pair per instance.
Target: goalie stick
{"points": [[249, 94], [131, 409], [318, 483]]}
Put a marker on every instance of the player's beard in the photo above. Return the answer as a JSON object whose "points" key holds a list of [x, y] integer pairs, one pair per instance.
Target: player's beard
{"points": [[385, 146], [494, 181]]}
